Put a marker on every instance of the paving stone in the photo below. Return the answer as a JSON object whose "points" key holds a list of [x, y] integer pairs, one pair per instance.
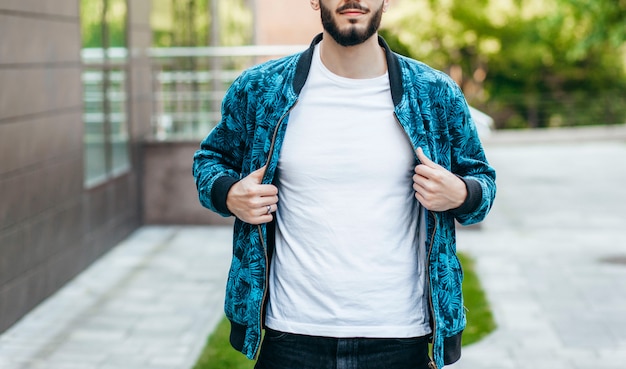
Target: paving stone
{"points": [[555, 304], [149, 303]]}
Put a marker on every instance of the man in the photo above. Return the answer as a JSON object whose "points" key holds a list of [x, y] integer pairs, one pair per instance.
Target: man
{"points": [[373, 156]]}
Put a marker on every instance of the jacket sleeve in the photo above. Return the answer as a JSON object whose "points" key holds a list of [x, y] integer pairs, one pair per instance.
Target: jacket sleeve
{"points": [[469, 162], [217, 164]]}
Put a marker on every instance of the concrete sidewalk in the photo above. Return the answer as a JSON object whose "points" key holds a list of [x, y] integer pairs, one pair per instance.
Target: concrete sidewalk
{"points": [[549, 256], [149, 303], [552, 258]]}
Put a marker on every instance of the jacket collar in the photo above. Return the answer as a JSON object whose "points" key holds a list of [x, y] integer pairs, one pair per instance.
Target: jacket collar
{"points": [[393, 68]]}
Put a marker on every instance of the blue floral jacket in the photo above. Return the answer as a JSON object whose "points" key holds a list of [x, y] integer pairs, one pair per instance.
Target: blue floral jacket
{"points": [[255, 113]]}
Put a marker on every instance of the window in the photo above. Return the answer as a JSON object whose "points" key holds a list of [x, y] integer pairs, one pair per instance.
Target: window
{"points": [[106, 137]]}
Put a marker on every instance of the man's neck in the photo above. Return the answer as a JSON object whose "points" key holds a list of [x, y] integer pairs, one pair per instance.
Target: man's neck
{"points": [[366, 60]]}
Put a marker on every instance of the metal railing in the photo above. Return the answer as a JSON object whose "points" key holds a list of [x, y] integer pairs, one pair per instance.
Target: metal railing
{"points": [[189, 85]]}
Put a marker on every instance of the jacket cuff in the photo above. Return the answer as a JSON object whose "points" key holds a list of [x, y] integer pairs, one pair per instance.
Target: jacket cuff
{"points": [[219, 193], [473, 199]]}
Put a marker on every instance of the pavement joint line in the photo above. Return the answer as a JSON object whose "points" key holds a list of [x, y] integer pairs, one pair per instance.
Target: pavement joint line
{"points": [[59, 339]]}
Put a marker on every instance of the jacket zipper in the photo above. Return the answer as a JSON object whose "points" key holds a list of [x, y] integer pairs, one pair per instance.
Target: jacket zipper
{"points": [[267, 261], [432, 364]]}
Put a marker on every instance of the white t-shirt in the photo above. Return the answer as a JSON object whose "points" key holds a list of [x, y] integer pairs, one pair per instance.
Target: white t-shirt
{"points": [[347, 262]]}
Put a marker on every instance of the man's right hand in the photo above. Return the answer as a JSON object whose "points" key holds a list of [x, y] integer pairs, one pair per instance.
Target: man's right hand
{"points": [[251, 201]]}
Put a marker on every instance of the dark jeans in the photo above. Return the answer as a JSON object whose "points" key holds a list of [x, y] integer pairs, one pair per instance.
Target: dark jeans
{"points": [[293, 351]]}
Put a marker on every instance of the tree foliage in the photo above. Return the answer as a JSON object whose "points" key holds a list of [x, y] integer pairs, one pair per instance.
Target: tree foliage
{"points": [[188, 22], [529, 63], [103, 27]]}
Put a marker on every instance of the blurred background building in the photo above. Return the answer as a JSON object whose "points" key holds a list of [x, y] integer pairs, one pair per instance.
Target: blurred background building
{"points": [[70, 183]]}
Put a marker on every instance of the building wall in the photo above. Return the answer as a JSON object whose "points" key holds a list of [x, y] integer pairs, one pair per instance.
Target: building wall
{"points": [[51, 227], [286, 22], [169, 192]]}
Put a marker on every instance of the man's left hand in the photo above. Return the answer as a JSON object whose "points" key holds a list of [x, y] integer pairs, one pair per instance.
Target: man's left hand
{"points": [[436, 188]]}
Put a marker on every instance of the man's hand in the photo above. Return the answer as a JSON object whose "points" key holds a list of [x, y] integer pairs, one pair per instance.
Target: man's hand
{"points": [[436, 188], [251, 201]]}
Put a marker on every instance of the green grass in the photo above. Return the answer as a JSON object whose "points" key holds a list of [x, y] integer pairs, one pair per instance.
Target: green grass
{"points": [[218, 354], [480, 320]]}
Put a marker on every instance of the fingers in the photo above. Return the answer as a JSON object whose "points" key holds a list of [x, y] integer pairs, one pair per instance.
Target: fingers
{"points": [[259, 215], [268, 210], [424, 159], [430, 183], [263, 214], [438, 189], [429, 199], [258, 174], [252, 201], [256, 211], [257, 205], [423, 191], [427, 168], [254, 181]]}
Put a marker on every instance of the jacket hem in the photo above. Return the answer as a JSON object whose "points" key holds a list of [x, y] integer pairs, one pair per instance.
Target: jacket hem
{"points": [[237, 335], [452, 349]]}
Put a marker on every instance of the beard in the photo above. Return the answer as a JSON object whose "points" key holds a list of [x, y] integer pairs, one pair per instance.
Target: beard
{"points": [[352, 36]]}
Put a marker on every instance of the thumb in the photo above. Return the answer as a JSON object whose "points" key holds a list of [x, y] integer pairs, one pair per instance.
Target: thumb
{"points": [[423, 158], [258, 174]]}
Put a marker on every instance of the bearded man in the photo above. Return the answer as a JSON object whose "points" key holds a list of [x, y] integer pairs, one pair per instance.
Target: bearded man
{"points": [[374, 157]]}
